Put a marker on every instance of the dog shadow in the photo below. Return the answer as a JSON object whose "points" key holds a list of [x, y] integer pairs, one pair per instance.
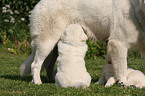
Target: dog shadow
{"points": [[29, 78], [26, 78], [94, 80]]}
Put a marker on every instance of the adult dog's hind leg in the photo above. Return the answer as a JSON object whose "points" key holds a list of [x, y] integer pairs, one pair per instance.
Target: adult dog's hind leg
{"points": [[45, 40], [118, 53], [42, 51]]}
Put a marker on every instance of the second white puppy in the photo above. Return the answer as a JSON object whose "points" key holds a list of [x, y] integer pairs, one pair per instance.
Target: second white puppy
{"points": [[71, 70], [133, 77]]}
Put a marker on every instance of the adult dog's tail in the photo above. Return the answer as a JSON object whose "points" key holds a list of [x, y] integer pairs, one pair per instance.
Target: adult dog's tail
{"points": [[26, 65]]}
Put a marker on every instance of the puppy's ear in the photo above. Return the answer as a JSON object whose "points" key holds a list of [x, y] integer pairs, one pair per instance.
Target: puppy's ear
{"points": [[65, 34]]}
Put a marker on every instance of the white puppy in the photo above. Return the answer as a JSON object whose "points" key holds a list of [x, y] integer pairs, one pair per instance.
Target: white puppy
{"points": [[71, 70], [133, 77]]}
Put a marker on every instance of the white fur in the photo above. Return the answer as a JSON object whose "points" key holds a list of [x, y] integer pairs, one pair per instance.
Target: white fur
{"points": [[50, 18], [71, 70], [133, 77]]}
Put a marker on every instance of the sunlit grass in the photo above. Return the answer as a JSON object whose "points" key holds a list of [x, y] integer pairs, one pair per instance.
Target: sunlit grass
{"points": [[12, 84]]}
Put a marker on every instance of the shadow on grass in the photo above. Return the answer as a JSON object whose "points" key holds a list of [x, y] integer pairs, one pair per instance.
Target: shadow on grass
{"points": [[94, 80], [29, 78], [26, 78]]}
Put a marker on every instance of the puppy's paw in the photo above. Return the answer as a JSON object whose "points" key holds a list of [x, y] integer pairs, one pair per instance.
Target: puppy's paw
{"points": [[97, 82], [100, 82]]}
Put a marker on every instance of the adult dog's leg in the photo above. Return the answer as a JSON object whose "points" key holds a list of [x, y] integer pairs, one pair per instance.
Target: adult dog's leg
{"points": [[42, 51], [118, 53], [50, 63], [116, 47], [44, 43]]}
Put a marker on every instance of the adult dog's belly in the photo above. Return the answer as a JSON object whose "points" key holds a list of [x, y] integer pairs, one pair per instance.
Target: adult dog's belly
{"points": [[94, 16]]}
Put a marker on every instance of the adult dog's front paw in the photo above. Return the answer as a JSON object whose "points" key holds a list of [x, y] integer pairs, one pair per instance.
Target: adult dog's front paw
{"points": [[122, 83], [108, 84]]}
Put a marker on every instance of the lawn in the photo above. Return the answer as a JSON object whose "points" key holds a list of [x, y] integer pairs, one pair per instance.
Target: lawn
{"points": [[12, 84]]}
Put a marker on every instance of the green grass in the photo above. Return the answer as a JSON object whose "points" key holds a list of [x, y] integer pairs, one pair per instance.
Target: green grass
{"points": [[12, 84]]}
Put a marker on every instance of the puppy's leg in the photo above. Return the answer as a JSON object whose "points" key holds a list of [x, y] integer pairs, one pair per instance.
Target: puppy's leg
{"points": [[110, 82], [50, 63], [118, 54], [136, 78], [102, 80]]}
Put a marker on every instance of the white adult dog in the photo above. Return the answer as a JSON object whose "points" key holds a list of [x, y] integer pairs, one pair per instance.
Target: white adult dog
{"points": [[71, 70], [50, 18], [133, 77]]}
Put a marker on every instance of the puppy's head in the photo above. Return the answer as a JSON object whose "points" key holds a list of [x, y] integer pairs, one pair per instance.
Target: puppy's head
{"points": [[74, 33]]}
